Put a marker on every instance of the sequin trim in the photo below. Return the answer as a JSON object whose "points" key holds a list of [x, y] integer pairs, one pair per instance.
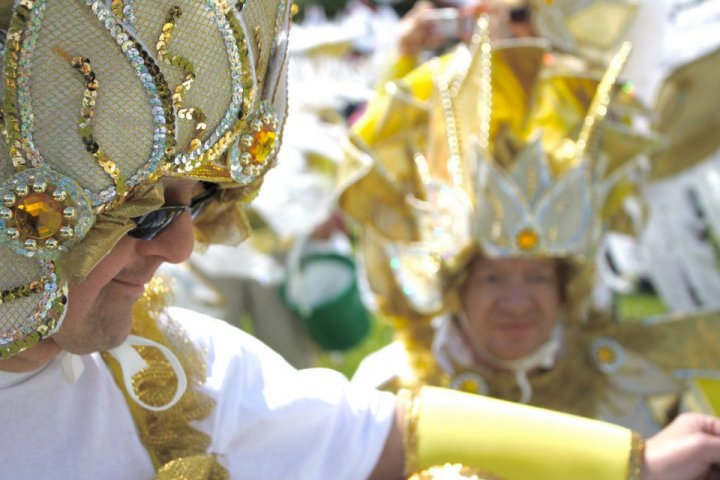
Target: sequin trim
{"points": [[47, 317]]}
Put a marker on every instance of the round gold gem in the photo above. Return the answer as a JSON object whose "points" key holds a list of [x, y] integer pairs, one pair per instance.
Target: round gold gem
{"points": [[470, 386], [39, 186], [526, 239], [606, 355], [13, 233], [66, 232], [30, 244], [6, 213], [9, 200], [69, 213], [38, 216], [22, 190], [51, 244]]}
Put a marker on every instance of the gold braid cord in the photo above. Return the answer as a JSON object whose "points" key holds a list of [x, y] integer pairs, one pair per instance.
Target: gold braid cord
{"points": [[177, 450], [637, 454]]}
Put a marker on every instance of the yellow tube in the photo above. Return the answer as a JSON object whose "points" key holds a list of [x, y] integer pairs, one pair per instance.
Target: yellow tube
{"points": [[515, 442]]}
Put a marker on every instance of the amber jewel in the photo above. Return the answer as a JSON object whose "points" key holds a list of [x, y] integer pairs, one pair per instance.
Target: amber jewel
{"points": [[263, 145], [606, 355], [470, 386], [39, 216], [527, 239]]}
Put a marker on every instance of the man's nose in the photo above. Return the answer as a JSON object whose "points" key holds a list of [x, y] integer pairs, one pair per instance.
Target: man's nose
{"points": [[174, 244]]}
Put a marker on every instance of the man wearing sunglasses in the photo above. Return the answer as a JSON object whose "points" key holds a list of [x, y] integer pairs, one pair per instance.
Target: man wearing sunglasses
{"points": [[122, 122]]}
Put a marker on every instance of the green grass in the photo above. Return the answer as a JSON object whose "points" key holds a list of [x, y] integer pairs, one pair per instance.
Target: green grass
{"points": [[630, 307], [636, 306]]}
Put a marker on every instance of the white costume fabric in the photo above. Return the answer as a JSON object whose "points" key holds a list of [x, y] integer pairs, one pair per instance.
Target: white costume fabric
{"points": [[270, 421]]}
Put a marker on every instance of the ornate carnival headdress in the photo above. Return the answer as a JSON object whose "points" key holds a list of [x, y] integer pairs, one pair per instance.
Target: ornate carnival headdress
{"points": [[512, 164], [100, 100]]}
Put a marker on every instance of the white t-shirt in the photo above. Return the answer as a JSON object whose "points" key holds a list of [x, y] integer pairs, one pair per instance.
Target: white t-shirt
{"points": [[271, 421]]}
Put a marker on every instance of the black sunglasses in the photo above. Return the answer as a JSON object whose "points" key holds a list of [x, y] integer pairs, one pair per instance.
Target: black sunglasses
{"points": [[152, 224]]}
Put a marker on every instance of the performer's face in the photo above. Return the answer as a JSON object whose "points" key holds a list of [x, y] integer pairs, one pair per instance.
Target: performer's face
{"points": [[98, 316], [512, 305]]}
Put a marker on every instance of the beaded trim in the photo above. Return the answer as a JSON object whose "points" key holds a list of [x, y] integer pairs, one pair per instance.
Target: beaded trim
{"points": [[48, 316]]}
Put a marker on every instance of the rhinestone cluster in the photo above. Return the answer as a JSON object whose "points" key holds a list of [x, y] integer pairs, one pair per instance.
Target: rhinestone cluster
{"points": [[43, 213], [252, 151]]}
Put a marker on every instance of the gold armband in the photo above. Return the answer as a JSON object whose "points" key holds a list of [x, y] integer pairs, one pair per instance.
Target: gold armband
{"points": [[512, 441]]}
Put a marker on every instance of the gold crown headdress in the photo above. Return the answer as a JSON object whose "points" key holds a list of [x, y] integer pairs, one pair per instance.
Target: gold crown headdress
{"points": [[100, 100], [512, 164]]}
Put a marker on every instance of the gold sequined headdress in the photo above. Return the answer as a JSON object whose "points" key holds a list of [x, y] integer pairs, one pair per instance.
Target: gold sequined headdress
{"points": [[103, 98], [512, 155]]}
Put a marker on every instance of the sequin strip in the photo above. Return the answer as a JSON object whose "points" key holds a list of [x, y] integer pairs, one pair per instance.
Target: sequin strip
{"points": [[637, 457], [87, 112], [184, 64], [12, 76], [51, 308], [601, 100], [482, 37], [411, 416], [243, 85], [451, 124], [36, 286]]}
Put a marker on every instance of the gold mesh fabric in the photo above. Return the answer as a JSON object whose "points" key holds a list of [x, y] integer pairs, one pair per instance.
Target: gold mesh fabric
{"points": [[197, 467], [122, 121], [169, 436]]}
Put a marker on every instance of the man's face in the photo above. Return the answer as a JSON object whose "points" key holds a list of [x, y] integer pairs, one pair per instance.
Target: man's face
{"points": [[98, 316], [512, 305]]}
